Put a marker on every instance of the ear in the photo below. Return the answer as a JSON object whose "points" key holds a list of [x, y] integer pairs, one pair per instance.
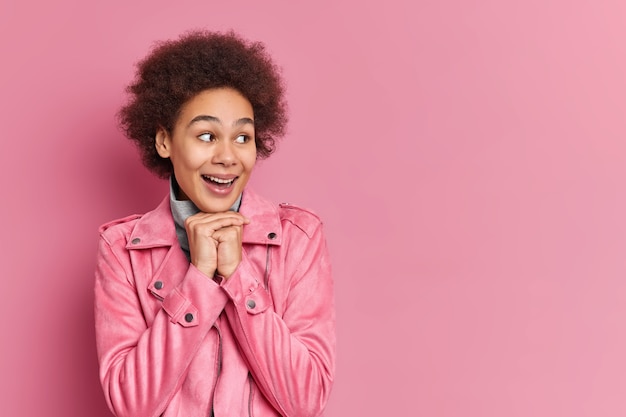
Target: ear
{"points": [[163, 143]]}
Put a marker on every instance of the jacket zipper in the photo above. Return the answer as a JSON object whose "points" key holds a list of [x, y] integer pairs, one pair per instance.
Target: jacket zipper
{"points": [[250, 395], [266, 279], [219, 366]]}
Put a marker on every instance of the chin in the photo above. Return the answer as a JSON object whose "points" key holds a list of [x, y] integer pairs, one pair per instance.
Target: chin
{"points": [[216, 208]]}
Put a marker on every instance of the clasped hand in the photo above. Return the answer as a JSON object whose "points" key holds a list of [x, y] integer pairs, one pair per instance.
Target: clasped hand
{"points": [[215, 241]]}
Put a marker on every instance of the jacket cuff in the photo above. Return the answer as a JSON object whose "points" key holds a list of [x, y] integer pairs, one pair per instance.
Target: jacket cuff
{"points": [[180, 309], [196, 298], [245, 288]]}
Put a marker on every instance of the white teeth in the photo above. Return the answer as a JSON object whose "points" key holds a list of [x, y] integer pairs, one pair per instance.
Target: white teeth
{"points": [[219, 180]]}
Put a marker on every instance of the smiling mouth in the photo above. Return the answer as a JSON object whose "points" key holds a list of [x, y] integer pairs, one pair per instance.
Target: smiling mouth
{"points": [[222, 183]]}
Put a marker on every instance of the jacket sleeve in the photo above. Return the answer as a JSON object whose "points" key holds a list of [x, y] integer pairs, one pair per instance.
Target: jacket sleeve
{"points": [[143, 365], [291, 356]]}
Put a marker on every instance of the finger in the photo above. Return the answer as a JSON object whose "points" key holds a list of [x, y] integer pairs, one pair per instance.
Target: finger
{"points": [[228, 234], [209, 229], [213, 223], [225, 214]]}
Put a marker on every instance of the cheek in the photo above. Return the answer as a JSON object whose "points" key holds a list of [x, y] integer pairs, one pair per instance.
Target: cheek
{"points": [[187, 159], [250, 161]]}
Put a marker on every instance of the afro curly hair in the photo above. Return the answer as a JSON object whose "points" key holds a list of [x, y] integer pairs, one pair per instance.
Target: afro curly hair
{"points": [[177, 70]]}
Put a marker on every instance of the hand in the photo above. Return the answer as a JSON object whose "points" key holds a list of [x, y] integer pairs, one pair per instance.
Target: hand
{"points": [[215, 241]]}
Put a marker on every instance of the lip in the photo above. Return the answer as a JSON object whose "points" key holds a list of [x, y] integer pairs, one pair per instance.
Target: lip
{"points": [[221, 176], [218, 190]]}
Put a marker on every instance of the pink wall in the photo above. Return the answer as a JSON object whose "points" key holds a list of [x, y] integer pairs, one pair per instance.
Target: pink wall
{"points": [[468, 159]]}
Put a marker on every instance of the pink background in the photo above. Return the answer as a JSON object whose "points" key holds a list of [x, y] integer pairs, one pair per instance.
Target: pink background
{"points": [[468, 159]]}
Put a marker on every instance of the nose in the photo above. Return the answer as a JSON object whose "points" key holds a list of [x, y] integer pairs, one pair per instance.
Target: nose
{"points": [[224, 153]]}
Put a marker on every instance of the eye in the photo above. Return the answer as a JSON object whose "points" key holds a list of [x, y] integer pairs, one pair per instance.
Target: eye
{"points": [[242, 139], [207, 137]]}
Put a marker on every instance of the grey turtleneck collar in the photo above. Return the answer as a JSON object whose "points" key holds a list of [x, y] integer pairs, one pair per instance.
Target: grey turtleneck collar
{"points": [[181, 209]]}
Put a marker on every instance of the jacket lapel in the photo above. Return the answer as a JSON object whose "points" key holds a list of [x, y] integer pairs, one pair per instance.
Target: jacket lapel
{"points": [[264, 227], [154, 246]]}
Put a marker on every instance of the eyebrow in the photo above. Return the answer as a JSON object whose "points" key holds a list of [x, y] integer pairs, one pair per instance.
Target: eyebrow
{"points": [[208, 118]]}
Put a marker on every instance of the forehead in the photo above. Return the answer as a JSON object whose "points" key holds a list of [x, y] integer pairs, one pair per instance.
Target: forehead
{"points": [[225, 104]]}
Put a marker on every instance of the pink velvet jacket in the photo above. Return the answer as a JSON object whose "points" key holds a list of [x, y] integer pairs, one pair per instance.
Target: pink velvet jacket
{"points": [[173, 342]]}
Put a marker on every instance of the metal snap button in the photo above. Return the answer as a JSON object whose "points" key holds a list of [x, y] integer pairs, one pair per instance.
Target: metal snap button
{"points": [[135, 241], [272, 235], [158, 285], [251, 304], [188, 317]]}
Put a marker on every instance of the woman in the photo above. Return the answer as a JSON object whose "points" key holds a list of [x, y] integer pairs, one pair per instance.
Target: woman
{"points": [[217, 302]]}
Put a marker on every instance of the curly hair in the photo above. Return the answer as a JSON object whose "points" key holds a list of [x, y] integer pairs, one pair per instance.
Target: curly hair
{"points": [[177, 70]]}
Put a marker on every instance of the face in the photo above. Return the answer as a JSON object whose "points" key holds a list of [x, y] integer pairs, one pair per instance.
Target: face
{"points": [[212, 148]]}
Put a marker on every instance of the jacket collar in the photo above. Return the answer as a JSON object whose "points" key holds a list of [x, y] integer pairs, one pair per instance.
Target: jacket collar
{"points": [[156, 228]]}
